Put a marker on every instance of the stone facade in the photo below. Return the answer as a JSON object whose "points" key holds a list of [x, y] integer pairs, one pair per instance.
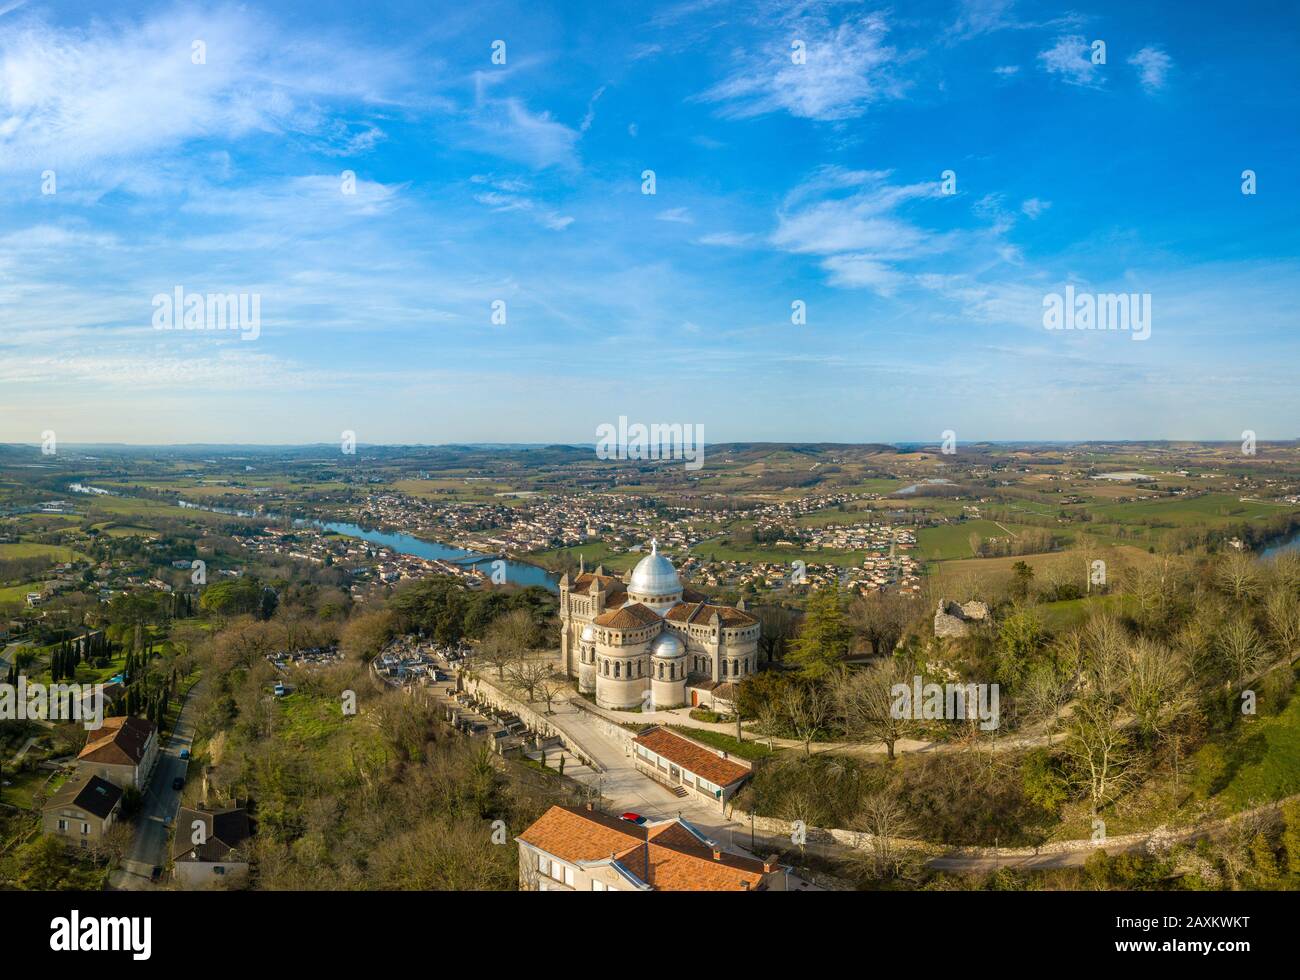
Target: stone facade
{"points": [[645, 639]]}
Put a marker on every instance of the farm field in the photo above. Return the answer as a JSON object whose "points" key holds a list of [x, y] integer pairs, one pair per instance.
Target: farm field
{"points": [[951, 541], [33, 549]]}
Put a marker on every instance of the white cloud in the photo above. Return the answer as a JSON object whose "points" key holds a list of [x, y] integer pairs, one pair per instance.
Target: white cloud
{"points": [[847, 68], [725, 239], [1006, 71], [1034, 207], [590, 117], [848, 216], [977, 17], [1153, 67], [681, 216], [862, 271], [508, 129], [1071, 58], [127, 89], [544, 216]]}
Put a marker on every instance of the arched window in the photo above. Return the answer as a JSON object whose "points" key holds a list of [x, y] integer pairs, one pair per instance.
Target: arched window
{"points": [[617, 667], [661, 671], [724, 668]]}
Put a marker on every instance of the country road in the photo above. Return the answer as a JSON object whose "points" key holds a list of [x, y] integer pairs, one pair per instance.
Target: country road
{"points": [[149, 846]]}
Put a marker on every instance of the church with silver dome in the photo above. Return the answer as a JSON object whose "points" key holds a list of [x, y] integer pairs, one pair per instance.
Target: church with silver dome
{"points": [[644, 639]]}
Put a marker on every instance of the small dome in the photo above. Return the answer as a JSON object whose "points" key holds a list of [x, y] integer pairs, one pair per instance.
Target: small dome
{"points": [[589, 634], [667, 645], [654, 575]]}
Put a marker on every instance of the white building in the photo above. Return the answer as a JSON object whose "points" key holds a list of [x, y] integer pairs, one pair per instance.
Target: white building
{"points": [[646, 640]]}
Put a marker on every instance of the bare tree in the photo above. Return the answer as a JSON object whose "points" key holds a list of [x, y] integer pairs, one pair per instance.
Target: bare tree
{"points": [[1157, 685], [1282, 611], [1099, 750], [770, 714], [885, 818], [1242, 649], [865, 703], [1238, 575], [550, 688], [1044, 693], [528, 675], [778, 627], [879, 619], [807, 709]]}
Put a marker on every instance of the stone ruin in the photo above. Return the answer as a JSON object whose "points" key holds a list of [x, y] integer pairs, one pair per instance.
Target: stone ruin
{"points": [[957, 618]]}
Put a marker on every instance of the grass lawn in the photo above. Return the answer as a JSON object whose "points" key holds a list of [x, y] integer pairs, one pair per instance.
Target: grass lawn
{"points": [[86, 673], [1265, 759], [35, 549], [26, 785], [747, 749], [18, 593], [306, 719]]}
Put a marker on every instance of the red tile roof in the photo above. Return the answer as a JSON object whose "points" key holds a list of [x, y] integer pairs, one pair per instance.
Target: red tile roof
{"points": [[628, 617], [120, 741], [666, 856], [693, 757], [702, 612]]}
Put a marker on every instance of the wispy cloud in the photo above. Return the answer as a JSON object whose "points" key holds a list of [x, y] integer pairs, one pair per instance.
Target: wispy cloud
{"points": [[1153, 67], [847, 66], [508, 129], [124, 89]]}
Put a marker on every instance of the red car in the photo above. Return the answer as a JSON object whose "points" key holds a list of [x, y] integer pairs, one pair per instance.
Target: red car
{"points": [[635, 818]]}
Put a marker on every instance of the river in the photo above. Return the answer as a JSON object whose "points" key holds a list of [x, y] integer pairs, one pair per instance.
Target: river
{"points": [[1286, 544], [517, 572]]}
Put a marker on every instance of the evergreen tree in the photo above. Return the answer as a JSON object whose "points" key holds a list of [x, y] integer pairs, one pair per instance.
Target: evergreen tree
{"points": [[824, 638]]}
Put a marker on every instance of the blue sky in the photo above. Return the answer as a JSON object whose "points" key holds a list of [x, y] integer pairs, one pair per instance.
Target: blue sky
{"points": [[776, 182]]}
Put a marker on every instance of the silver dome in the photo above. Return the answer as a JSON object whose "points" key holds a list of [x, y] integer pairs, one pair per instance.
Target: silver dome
{"points": [[667, 644], [589, 634], [654, 575]]}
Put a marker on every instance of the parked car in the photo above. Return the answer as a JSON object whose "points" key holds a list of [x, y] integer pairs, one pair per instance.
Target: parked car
{"points": [[279, 690], [178, 783], [635, 818], [185, 753]]}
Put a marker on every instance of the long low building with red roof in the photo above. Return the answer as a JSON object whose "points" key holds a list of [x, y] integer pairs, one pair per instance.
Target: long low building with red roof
{"points": [[679, 762], [582, 849]]}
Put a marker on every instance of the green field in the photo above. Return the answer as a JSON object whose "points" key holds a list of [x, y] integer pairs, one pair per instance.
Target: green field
{"points": [[592, 552], [1212, 509], [34, 549], [953, 540]]}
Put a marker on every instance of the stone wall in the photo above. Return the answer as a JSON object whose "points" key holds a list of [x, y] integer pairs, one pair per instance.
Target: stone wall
{"points": [[547, 725]]}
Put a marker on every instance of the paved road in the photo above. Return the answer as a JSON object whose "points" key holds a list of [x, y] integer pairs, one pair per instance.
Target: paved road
{"points": [[149, 847], [6, 655]]}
